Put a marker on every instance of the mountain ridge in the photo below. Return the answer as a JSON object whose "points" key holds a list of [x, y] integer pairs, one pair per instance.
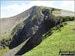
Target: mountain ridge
{"points": [[33, 23], [14, 20]]}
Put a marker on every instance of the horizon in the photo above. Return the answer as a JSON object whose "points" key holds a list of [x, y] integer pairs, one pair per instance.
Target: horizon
{"points": [[12, 8]]}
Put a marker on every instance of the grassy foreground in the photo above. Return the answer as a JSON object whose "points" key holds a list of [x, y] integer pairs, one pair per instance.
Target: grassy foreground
{"points": [[51, 46]]}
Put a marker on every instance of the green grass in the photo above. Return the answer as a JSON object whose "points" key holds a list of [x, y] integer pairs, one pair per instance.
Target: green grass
{"points": [[6, 37], [51, 46], [69, 11], [33, 17], [6, 49], [3, 51], [55, 12]]}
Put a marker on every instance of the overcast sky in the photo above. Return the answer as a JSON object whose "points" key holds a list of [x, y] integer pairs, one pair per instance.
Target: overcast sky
{"points": [[11, 8]]}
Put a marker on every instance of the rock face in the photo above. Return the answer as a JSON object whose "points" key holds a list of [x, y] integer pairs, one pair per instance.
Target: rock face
{"points": [[35, 26], [28, 30], [41, 25], [46, 12], [4, 43], [36, 38]]}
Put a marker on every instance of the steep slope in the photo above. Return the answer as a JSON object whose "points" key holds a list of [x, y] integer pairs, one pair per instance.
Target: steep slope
{"points": [[51, 46], [60, 40], [11, 22], [32, 24], [48, 22]]}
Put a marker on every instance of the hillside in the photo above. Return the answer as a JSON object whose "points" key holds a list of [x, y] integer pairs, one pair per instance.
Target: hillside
{"points": [[11, 22], [51, 46], [63, 37], [36, 24], [14, 20]]}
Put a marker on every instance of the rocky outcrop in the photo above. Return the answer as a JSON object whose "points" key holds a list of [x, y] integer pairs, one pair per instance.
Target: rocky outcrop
{"points": [[30, 28], [36, 38], [34, 28], [41, 25], [4, 43]]}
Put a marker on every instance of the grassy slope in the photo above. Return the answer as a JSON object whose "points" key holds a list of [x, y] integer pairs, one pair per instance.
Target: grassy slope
{"points": [[51, 46], [3, 51]]}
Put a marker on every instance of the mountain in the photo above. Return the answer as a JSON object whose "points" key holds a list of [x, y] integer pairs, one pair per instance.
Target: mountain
{"points": [[61, 39], [32, 24], [14, 20]]}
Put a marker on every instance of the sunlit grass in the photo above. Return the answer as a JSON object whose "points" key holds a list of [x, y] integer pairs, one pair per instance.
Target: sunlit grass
{"points": [[60, 40], [4, 50]]}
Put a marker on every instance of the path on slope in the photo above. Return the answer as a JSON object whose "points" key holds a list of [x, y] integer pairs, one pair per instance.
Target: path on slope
{"points": [[12, 52], [64, 13]]}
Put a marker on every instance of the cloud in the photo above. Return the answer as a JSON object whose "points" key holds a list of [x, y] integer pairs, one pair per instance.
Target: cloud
{"points": [[23, 6], [42, 3], [66, 4], [15, 8]]}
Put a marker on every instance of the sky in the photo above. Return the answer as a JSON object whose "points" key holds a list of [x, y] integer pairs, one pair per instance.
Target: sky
{"points": [[11, 8]]}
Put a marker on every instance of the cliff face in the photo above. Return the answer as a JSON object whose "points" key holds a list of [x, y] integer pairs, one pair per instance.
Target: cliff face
{"points": [[31, 26], [44, 25], [37, 24]]}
